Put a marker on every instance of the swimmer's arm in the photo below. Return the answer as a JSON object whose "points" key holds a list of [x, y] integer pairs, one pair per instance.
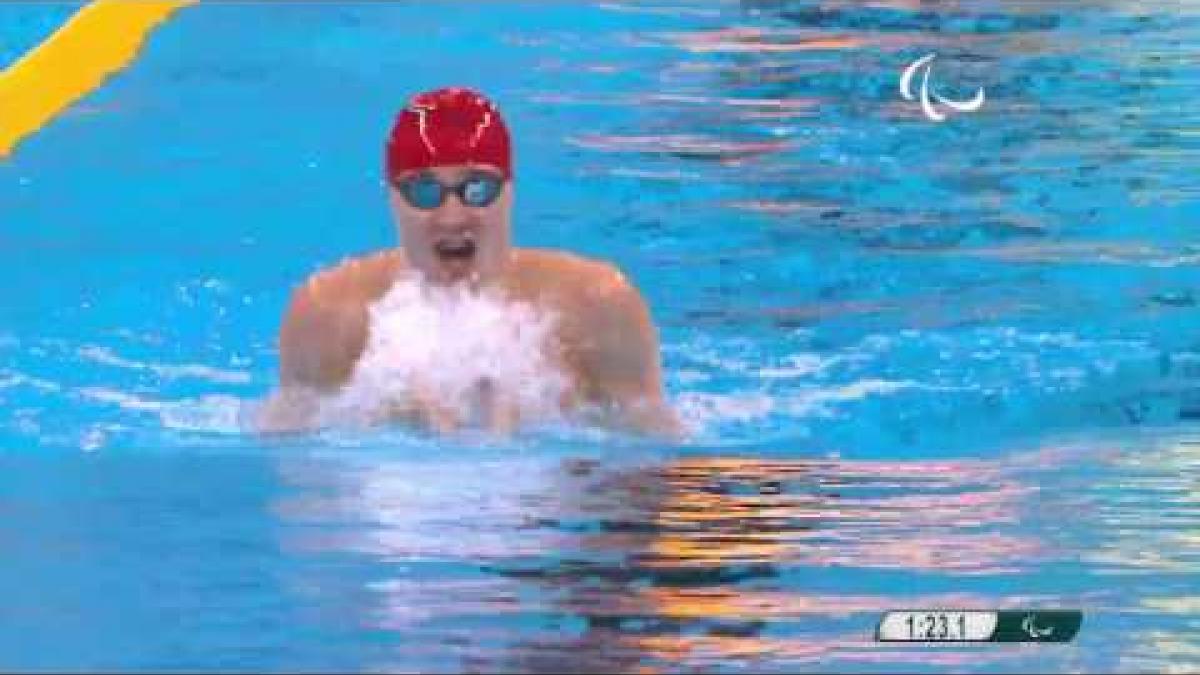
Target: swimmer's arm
{"points": [[621, 361], [322, 337], [325, 329], [323, 334], [288, 409]]}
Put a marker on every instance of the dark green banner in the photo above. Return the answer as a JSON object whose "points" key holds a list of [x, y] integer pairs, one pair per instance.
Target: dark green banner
{"points": [[1048, 625]]}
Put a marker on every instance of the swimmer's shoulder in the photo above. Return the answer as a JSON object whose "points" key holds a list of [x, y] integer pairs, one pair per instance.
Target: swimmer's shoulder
{"points": [[353, 281], [575, 274], [325, 327], [609, 340]]}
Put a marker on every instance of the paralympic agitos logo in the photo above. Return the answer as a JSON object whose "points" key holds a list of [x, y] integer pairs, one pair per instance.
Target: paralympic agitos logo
{"points": [[931, 101]]}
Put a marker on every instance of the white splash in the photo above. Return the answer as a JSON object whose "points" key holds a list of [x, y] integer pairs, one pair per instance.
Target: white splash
{"points": [[105, 356], [442, 343]]}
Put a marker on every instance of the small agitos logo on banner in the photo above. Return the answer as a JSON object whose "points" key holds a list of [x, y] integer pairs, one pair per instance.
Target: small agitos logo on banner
{"points": [[979, 625], [931, 101]]}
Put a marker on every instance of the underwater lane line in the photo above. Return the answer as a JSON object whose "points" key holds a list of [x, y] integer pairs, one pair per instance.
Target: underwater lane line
{"points": [[94, 43]]}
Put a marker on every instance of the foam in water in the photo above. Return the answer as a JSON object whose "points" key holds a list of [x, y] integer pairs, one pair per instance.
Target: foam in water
{"points": [[441, 344]]}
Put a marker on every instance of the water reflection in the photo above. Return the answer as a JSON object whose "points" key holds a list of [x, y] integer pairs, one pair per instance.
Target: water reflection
{"points": [[959, 285], [1150, 508], [1060, 77], [1147, 509], [679, 564]]}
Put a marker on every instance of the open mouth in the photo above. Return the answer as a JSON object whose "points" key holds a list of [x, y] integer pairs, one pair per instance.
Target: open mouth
{"points": [[455, 249]]}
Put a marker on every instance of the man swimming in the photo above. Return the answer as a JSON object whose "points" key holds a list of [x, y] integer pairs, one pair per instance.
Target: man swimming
{"points": [[450, 185]]}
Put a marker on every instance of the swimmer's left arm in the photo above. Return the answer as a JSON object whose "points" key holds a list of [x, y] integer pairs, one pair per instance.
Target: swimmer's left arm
{"points": [[620, 357]]}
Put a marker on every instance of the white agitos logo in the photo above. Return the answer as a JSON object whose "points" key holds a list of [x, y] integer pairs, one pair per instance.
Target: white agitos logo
{"points": [[927, 106], [1029, 625]]}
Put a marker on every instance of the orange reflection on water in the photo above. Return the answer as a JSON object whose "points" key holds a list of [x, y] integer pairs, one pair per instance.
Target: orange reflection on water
{"points": [[905, 515], [757, 40], [730, 515], [682, 563]]}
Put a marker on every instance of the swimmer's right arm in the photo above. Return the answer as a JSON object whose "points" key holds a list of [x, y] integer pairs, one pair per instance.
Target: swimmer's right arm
{"points": [[325, 329], [323, 335], [324, 332]]}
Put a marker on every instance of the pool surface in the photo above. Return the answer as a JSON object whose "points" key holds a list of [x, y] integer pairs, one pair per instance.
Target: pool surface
{"points": [[927, 364]]}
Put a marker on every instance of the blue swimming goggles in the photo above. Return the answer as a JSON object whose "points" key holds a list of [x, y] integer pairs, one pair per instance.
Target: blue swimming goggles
{"points": [[423, 191]]}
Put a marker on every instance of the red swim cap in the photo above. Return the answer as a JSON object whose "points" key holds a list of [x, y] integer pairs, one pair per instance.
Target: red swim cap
{"points": [[448, 126]]}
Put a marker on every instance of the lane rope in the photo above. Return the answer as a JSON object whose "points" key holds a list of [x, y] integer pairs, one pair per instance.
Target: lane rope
{"points": [[97, 41]]}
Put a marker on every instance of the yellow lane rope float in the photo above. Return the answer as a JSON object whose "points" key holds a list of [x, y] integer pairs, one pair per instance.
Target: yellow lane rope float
{"points": [[94, 43]]}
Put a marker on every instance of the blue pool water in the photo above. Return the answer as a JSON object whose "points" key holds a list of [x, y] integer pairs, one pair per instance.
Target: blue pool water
{"points": [[928, 365]]}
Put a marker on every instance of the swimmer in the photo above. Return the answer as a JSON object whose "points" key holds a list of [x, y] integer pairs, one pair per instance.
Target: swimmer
{"points": [[449, 173]]}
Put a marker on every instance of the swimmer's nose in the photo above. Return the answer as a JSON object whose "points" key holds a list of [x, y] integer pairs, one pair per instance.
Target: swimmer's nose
{"points": [[452, 213]]}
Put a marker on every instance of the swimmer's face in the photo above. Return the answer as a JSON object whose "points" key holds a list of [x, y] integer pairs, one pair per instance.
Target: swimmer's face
{"points": [[454, 222]]}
